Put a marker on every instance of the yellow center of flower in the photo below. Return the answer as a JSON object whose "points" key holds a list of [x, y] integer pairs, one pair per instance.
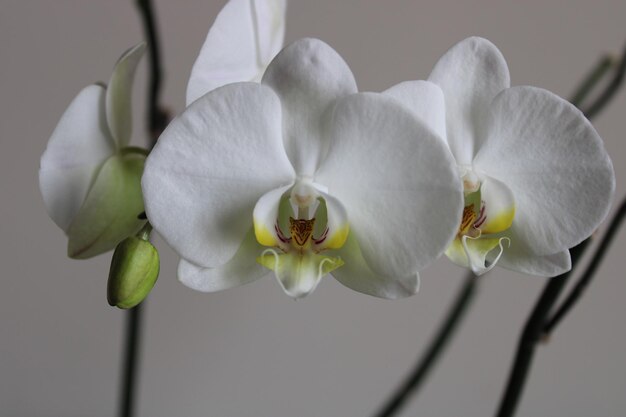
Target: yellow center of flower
{"points": [[489, 211], [301, 234]]}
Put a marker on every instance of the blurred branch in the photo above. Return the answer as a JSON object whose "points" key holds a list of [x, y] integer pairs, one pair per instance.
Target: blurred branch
{"points": [[535, 327], [435, 349], [158, 117], [589, 273], [532, 333], [595, 75], [157, 120], [611, 89]]}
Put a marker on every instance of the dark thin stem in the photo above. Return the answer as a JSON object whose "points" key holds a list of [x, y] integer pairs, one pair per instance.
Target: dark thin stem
{"points": [[157, 116], [605, 97], [131, 363], [596, 74], [532, 333], [157, 119], [435, 349], [534, 329], [589, 273]]}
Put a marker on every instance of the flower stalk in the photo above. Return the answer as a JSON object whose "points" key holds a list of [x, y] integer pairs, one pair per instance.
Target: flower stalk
{"points": [[589, 273], [435, 349], [157, 121], [539, 325]]}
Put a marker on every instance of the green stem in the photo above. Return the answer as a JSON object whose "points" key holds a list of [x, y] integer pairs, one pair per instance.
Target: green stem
{"points": [[129, 150], [534, 330], [597, 73], [433, 352], [589, 273]]}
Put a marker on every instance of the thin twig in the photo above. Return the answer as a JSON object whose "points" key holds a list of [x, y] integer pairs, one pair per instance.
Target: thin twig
{"points": [[605, 97], [534, 329], [589, 273], [532, 333], [595, 75], [157, 119], [435, 349], [131, 362]]}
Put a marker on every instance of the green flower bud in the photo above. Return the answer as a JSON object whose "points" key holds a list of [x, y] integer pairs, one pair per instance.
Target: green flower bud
{"points": [[134, 270]]}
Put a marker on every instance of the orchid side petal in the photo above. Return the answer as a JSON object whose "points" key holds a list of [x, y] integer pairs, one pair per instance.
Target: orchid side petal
{"points": [[119, 90], [498, 207], [426, 100], [397, 181], [77, 148], [210, 167], [333, 215], [239, 270], [470, 74], [242, 41], [111, 209], [554, 162], [308, 76], [265, 217], [356, 275]]}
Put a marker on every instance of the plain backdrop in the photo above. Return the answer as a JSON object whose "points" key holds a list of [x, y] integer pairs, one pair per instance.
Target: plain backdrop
{"points": [[252, 351]]}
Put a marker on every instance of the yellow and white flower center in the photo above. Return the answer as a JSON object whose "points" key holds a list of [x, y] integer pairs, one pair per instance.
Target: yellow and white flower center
{"points": [[308, 223], [489, 211]]}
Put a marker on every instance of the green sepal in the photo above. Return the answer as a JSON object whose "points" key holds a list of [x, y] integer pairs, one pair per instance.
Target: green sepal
{"points": [[134, 271], [109, 213]]}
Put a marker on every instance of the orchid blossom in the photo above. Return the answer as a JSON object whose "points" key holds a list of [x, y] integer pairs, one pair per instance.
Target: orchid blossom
{"points": [[303, 176], [244, 38], [537, 179], [89, 177]]}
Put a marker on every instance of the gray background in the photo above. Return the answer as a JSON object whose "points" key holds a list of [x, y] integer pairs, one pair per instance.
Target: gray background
{"points": [[252, 351]]}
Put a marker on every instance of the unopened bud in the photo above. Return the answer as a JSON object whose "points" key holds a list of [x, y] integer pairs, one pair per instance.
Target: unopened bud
{"points": [[134, 270]]}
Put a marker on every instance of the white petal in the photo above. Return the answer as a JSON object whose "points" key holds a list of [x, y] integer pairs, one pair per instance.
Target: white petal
{"points": [[241, 269], [521, 259], [210, 167], [470, 74], [78, 146], [118, 106], [308, 76], [110, 211], [398, 182], [356, 274], [555, 164], [270, 29], [244, 38], [426, 100]]}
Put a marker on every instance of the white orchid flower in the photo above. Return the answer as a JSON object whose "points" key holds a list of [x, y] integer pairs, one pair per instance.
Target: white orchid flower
{"points": [[89, 177], [245, 37], [301, 175], [536, 176]]}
